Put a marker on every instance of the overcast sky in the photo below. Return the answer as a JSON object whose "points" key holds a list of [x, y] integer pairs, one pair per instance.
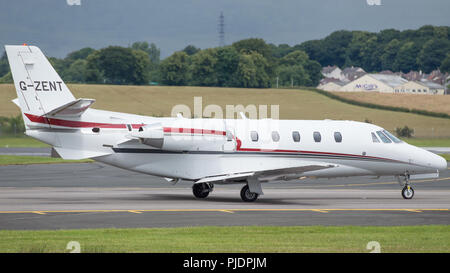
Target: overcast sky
{"points": [[59, 28]]}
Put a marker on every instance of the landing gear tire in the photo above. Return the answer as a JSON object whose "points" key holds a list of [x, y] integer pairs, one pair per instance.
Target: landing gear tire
{"points": [[408, 192], [248, 196], [202, 190]]}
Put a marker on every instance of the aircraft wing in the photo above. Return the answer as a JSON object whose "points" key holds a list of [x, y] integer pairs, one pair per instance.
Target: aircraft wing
{"points": [[270, 174]]}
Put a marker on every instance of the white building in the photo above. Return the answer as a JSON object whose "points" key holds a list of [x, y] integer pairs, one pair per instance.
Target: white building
{"points": [[330, 84], [333, 72], [374, 83]]}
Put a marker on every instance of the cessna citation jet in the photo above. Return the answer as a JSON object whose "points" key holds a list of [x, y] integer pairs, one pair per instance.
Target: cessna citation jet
{"points": [[208, 151]]}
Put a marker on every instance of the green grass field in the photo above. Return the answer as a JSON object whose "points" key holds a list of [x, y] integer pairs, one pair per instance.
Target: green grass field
{"points": [[233, 239], [294, 104], [24, 160], [21, 142]]}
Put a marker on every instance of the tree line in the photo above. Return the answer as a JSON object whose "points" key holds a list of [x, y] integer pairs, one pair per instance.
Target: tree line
{"points": [[253, 63], [426, 49]]}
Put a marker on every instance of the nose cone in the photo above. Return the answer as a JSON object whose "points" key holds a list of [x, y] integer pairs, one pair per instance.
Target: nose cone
{"points": [[439, 162]]}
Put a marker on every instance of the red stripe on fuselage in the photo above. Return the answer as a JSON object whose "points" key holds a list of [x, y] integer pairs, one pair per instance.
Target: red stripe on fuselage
{"points": [[83, 124]]}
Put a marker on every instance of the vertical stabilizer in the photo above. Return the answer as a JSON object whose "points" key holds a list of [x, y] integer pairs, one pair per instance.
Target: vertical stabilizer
{"points": [[39, 88]]}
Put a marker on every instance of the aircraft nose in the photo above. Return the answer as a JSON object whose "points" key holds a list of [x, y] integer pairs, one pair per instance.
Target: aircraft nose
{"points": [[439, 162]]}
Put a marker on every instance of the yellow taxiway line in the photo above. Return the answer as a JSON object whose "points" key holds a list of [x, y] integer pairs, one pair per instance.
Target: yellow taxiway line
{"points": [[139, 211]]}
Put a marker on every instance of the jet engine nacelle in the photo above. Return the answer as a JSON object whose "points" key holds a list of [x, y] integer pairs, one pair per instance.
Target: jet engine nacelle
{"points": [[151, 135], [180, 139]]}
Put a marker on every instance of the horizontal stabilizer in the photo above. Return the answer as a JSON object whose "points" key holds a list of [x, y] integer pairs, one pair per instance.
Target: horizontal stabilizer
{"points": [[72, 109], [73, 154]]}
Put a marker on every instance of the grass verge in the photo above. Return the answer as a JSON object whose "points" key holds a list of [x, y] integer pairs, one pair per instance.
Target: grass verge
{"points": [[446, 156], [431, 238], [428, 142], [21, 142], [23, 160]]}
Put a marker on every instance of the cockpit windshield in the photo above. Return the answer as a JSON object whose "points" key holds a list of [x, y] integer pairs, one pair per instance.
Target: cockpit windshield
{"points": [[383, 137], [392, 137]]}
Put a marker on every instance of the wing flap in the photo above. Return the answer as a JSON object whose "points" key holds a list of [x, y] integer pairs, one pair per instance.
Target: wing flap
{"points": [[224, 177], [270, 174]]}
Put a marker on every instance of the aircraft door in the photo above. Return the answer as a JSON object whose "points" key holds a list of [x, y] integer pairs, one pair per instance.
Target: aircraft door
{"points": [[230, 141]]}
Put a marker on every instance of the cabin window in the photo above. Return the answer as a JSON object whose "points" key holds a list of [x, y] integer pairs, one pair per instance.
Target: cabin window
{"points": [[338, 137], [317, 137], [383, 137], [392, 137], [275, 136], [254, 136], [375, 138], [129, 127], [296, 136]]}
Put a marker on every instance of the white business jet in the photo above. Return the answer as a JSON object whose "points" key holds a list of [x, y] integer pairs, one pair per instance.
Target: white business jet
{"points": [[208, 151]]}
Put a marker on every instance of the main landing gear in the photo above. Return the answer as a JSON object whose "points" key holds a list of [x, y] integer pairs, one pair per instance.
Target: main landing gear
{"points": [[407, 191], [202, 190], [249, 193], [248, 196]]}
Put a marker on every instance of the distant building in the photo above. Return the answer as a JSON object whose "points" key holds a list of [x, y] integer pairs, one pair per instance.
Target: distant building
{"points": [[330, 84], [333, 72], [412, 87], [355, 79], [433, 88], [353, 73], [374, 83]]}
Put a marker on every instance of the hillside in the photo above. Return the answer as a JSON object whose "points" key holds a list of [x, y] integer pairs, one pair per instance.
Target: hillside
{"points": [[294, 104]]}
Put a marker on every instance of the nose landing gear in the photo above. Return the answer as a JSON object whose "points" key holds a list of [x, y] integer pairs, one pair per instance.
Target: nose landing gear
{"points": [[407, 191]]}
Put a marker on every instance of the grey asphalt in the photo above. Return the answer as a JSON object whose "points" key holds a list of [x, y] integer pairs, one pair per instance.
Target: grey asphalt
{"points": [[26, 151], [94, 195]]}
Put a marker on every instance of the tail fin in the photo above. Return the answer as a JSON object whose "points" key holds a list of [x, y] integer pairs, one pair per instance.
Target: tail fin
{"points": [[39, 88]]}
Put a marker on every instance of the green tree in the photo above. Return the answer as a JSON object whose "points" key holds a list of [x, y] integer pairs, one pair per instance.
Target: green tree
{"points": [[294, 75], [4, 66], [191, 50], [152, 51], [445, 66], [203, 68], [405, 60], [390, 54], [226, 66], [76, 72], [297, 57], [118, 65], [335, 47], [432, 54], [174, 69], [314, 48], [254, 45], [79, 54], [252, 71], [141, 64]]}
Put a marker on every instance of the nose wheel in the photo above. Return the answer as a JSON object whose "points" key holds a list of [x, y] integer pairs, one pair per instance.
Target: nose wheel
{"points": [[407, 191]]}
